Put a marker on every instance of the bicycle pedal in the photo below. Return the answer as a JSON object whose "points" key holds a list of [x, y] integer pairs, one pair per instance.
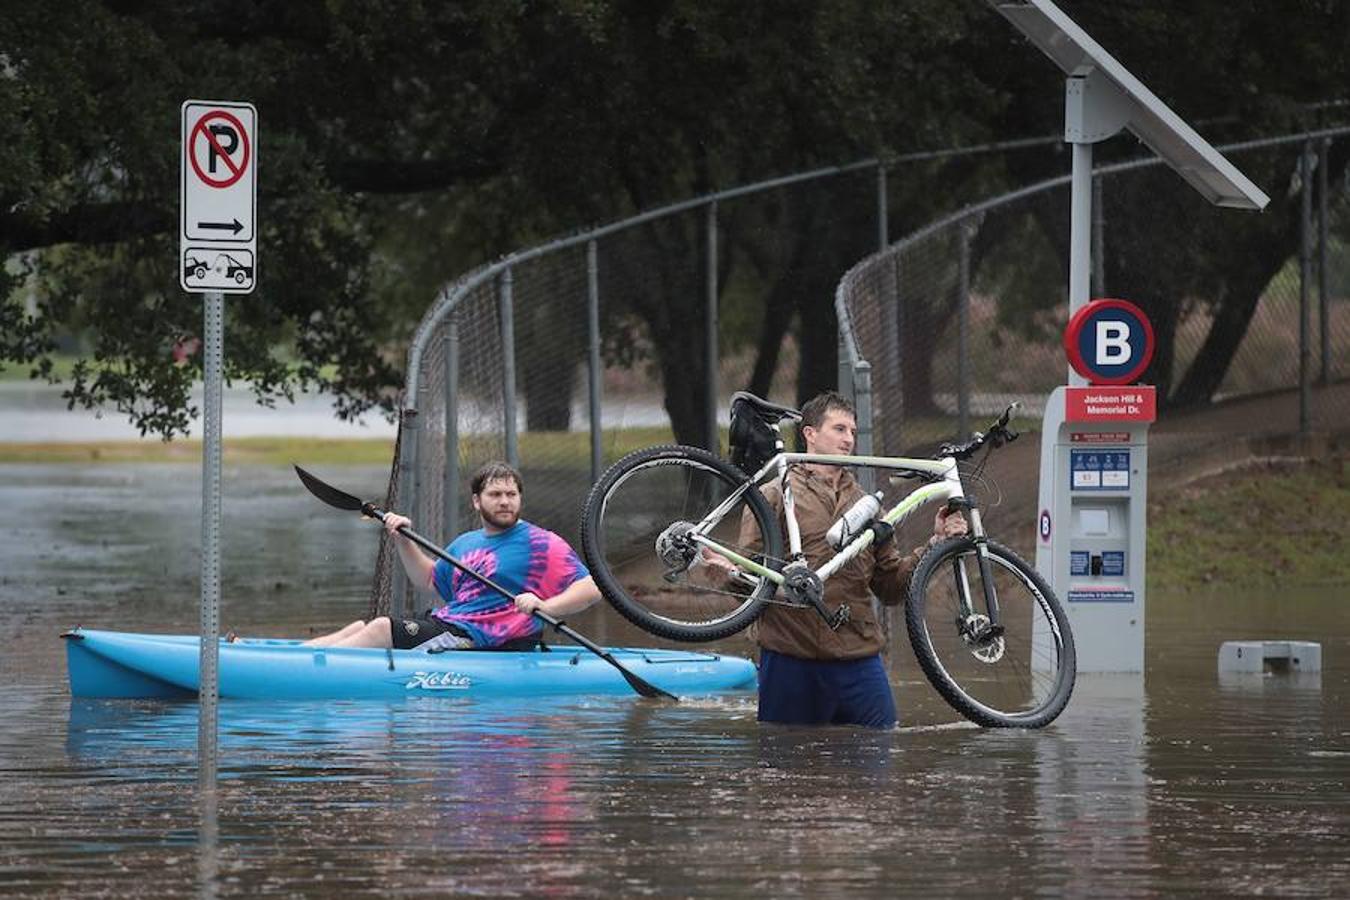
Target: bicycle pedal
{"points": [[839, 618]]}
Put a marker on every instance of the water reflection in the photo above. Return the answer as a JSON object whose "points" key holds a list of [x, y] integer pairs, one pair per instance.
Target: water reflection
{"points": [[1180, 782], [1091, 786]]}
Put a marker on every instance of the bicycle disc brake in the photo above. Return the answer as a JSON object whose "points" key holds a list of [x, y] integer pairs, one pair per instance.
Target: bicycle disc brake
{"points": [[984, 639]]}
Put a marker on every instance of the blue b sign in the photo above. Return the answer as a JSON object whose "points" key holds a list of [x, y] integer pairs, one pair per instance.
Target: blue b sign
{"points": [[1109, 342]]}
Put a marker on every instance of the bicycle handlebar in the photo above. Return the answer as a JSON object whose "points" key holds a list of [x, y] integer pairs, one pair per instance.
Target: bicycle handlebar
{"points": [[998, 434]]}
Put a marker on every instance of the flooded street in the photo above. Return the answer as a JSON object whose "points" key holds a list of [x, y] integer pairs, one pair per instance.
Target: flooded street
{"points": [[1174, 782]]}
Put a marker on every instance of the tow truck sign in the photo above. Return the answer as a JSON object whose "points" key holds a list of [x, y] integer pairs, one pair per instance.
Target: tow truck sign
{"points": [[218, 245]]}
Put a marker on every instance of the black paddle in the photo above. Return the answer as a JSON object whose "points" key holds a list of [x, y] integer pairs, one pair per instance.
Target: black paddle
{"points": [[333, 497]]}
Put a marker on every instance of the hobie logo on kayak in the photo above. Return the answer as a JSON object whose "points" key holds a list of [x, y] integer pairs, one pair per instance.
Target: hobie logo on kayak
{"points": [[438, 681]]}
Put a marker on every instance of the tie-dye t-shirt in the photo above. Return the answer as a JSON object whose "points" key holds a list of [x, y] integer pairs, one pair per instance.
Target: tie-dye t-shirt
{"points": [[522, 558]]}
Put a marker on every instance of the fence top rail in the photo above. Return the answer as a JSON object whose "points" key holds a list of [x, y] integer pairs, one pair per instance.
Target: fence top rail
{"points": [[449, 297], [852, 275]]}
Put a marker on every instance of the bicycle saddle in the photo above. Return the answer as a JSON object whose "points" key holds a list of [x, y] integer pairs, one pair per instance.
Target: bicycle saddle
{"points": [[763, 408]]}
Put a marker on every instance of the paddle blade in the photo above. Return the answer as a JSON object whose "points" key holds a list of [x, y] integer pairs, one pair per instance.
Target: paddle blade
{"points": [[327, 493]]}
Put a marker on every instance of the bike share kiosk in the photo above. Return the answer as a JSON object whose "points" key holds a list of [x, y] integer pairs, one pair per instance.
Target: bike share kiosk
{"points": [[1092, 525], [1094, 456]]}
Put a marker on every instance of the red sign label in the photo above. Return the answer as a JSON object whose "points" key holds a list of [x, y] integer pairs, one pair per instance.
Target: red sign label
{"points": [[1111, 403]]}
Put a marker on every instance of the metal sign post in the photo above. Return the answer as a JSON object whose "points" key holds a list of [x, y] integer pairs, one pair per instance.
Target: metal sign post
{"points": [[218, 244]]}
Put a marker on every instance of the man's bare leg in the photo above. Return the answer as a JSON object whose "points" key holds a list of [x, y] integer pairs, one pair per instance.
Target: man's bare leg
{"points": [[376, 633], [327, 640]]}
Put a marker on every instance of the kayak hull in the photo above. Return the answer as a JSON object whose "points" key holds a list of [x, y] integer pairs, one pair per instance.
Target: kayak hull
{"points": [[112, 664]]}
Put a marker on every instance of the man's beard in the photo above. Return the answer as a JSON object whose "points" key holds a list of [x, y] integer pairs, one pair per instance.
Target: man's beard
{"points": [[502, 520]]}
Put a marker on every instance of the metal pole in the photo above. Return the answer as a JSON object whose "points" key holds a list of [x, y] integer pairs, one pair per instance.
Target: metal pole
{"points": [[594, 368], [1305, 162], [416, 505], [450, 491], [883, 235], [963, 333], [402, 594], [208, 843], [897, 323], [1098, 240], [509, 366], [1323, 298], [845, 368], [862, 379], [710, 334], [1080, 248], [209, 675]]}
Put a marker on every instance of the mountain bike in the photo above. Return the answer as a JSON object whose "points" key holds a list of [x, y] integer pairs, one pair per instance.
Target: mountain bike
{"points": [[987, 630]]}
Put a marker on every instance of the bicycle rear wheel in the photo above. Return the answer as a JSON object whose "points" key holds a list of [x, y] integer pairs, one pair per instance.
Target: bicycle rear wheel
{"points": [[1021, 679], [635, 535]]}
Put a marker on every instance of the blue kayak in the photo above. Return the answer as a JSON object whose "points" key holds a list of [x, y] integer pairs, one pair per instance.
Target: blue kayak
{"points": [[120, 664]]}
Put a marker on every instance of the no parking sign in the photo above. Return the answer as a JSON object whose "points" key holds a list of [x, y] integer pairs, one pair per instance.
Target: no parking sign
{"points": [[218, 237], [1109, 342]]}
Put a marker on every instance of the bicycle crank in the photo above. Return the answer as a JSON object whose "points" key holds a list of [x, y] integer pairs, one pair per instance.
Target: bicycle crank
{"points": [[803, 587]]}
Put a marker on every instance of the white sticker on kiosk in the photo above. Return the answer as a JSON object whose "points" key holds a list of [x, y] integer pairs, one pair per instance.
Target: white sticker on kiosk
{"points": [[1117, 479], [1094, 522]]}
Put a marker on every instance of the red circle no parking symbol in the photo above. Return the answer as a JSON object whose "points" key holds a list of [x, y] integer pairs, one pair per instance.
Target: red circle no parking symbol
{"points": [[222, 139]]}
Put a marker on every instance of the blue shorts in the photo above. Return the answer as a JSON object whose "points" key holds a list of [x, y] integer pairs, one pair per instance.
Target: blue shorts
{"points": [[796, 691]]}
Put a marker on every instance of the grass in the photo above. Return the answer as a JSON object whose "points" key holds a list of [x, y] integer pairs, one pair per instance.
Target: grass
{"points": [[1267, 525], [62, 367], [560, 449], [238, 451]]}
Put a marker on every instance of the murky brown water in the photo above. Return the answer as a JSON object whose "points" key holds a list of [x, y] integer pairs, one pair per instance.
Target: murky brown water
{"points": [[1176, 782]]}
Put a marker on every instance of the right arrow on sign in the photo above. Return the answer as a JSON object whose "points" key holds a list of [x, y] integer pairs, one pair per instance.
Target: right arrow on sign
{"points": [[234, 227]]}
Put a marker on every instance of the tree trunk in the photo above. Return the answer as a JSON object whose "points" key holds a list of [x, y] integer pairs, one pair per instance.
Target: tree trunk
{"points": [[548, 395], [1216, 354], [819, 340]]}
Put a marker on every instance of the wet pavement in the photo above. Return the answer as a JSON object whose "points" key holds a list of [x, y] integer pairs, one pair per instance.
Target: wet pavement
{"points": [[1173, 782]]}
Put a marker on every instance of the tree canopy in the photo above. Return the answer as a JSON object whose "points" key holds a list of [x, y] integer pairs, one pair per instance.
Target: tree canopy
{"points": [[403, 142]]}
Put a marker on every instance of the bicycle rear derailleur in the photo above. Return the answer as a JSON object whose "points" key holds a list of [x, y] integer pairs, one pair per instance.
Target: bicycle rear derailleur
{"points": [[676, 548], [803, 587]]}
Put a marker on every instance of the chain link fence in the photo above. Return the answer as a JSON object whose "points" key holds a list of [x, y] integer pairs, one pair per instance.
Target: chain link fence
{"points": [[945, 327], [563, 357]]}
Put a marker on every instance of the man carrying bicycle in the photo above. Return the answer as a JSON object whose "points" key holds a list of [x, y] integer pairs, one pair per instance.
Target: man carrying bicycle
{"points": [[809, 673]]}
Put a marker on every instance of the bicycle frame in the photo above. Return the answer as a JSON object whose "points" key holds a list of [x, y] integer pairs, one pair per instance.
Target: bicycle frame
{"points": [[947, 488]]}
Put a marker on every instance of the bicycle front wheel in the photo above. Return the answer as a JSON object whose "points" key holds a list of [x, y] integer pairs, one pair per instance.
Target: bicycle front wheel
{"points": [[639, 537], [1021, 678]]}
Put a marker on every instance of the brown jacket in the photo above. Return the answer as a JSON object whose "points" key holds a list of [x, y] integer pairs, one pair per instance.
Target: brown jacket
{"points": [[801, 632]]}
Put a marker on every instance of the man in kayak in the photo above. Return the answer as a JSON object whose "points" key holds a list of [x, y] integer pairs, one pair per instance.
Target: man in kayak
{"points": [[536, 565], [810, 674]]}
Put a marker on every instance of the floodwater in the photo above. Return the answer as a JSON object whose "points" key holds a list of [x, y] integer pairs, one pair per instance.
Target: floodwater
{"points": [[1175, 782]]}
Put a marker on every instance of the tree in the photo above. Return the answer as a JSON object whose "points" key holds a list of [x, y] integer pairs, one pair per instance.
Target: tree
{"points": [[404, 142], [1165, 248]]}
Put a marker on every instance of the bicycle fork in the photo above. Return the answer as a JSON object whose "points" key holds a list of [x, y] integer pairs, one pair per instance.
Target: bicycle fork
{"points": [[979, 633]]}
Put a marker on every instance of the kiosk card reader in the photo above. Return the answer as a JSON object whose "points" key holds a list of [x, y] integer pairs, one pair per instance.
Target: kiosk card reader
{"points": [[1092, 522]]}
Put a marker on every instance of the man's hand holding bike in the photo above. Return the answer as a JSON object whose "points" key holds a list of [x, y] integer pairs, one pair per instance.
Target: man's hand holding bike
{"points": [[947, 524]]}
